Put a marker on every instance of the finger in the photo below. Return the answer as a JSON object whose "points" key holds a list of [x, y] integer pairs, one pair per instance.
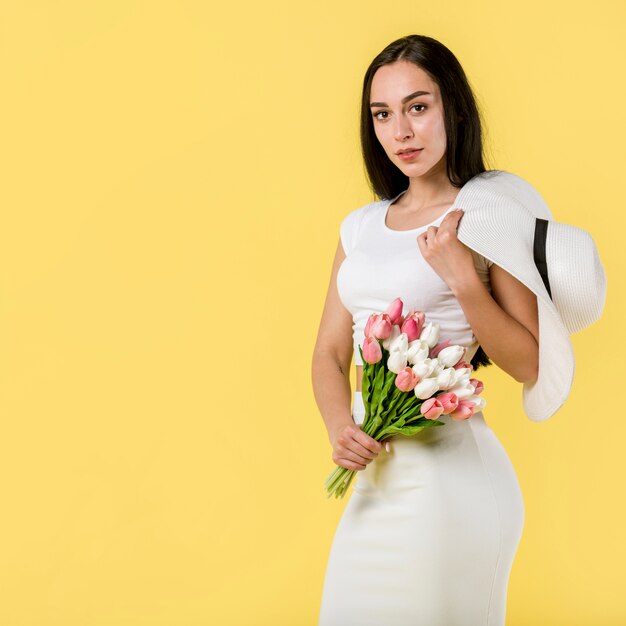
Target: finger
{"points": [[357, 458], [451, 220], [455, 213], [367, 442], [349, 454], [345, 458], [361, 450], [453, 217], [350, 464], [421, 243], [431, 233]]}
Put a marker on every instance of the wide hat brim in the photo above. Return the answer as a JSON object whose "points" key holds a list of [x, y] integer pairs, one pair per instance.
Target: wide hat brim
{"points": [[500, 211]]}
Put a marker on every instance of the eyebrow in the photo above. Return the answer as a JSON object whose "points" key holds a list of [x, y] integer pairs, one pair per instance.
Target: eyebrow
{"points": [[415, 94]]}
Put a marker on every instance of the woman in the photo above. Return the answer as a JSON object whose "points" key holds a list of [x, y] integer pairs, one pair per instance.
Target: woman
{"points": [[431, 528]]}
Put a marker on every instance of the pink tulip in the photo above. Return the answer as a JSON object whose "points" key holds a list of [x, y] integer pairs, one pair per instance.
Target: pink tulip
{"points": [[464, 411], [462, 364], [409, 326], [371, 349], [413, 324], [478, 385], [394, 310], [381, 327], [407, 379], [434, 351], [449, 400], [432, 408], [378, 326]]}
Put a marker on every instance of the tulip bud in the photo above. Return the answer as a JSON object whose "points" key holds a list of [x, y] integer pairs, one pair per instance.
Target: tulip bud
{"points": [[446, 378], [478, 385], [462, 373], [413, 324], [399, 344], [479, 401], [431, 408], [424, 368], [395, 333], [430, 334], [449, 401], [439, 347], [463, 363], [381, 326], [417, 351], [409, 326], [371, 349], [437, 369], [451, 355], [425, 388], [464, 411], [394, 310], [463, 390], [397, 361], [406, 379]]}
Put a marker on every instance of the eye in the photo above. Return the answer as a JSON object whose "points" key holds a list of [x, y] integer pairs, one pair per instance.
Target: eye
{"points": [[375, 115]]}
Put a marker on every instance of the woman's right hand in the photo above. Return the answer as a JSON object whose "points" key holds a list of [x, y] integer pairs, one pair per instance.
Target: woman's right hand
{"points": [[353, 448]]}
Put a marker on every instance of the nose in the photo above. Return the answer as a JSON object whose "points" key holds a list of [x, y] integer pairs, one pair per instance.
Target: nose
{"points": [[403, 128]]}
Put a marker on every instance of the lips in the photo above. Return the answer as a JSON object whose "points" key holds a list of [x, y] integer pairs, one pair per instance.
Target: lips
{"points": [[409, 151], [409, 156]]}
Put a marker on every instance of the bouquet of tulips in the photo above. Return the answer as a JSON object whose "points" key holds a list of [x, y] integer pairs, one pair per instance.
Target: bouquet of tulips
{"points": [[409, 380]]}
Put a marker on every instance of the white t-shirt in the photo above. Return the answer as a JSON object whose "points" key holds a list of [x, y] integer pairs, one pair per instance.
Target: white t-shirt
{"points": [[382, 264]]}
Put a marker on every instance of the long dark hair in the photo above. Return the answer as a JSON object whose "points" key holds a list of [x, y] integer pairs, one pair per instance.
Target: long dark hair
{"points": [[462, 118]]}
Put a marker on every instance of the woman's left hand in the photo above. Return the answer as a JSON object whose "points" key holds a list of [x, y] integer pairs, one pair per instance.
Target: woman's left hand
{"points": [[443, 251]]}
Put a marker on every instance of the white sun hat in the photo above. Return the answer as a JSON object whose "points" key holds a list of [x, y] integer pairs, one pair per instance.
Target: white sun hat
{"points": [[507, 221]]}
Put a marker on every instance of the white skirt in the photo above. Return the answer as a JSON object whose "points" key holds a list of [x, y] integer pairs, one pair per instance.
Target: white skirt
{"points": [[429, 533]]}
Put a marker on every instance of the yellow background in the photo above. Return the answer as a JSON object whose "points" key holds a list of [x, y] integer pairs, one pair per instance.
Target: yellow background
{"points": [[172, 179]]}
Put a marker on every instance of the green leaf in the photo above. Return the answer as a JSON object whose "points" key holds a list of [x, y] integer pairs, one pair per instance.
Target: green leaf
{"points": [[409, 431], [378, 387]]}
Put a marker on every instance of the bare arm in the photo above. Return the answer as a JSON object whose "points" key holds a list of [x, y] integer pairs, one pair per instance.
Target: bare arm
{"points": [[330, 372], [505, 323]]}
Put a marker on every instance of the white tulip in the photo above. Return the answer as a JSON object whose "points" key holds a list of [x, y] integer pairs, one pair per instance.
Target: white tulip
{"points": [[451, 355], [439, 367], [395, 331], [418, 351], [463, 373], [480, 402], [430, 334], [399, 344], [464, 390], [397, 361], [446, 378], [424, 368], [425, 388]]}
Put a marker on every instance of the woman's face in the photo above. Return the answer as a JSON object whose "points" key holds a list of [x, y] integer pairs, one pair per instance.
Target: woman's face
{"points": [[404, 120]]}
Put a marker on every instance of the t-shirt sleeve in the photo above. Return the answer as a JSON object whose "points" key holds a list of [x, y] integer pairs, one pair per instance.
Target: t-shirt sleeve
{"points": [[482, 266], [349, 229], [481, 262]]}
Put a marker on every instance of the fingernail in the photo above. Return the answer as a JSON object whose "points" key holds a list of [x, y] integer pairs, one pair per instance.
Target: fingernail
{"points": [[387, 446]]}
